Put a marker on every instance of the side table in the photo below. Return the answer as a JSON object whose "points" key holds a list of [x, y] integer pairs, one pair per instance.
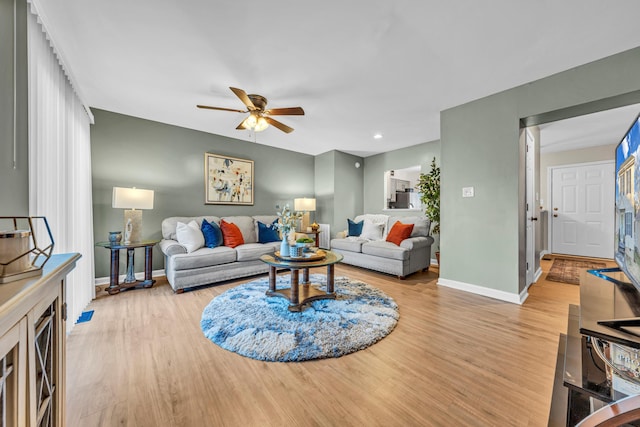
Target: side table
{"points": [[130, 280], [316, 237]]}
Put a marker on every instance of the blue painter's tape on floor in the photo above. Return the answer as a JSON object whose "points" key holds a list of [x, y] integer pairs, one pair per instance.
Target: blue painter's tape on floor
{"points": [[85, 316]]}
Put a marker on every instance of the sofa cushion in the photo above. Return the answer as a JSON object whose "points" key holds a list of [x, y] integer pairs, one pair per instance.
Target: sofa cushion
{"points": [[189, 236], [169, 224], [385, 250], [421, 225], [351, 244], [247, 227], [399, 232], [372, 230], [212, 234], [204, 257], [354, 228], [268, 232], [231, 234], [253, 251]]}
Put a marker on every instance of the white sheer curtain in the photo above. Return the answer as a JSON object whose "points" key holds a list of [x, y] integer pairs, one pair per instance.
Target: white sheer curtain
{"points": [[60, 163]]}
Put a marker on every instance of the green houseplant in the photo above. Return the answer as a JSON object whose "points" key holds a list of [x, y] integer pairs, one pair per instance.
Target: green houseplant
{"points": [[429, 188]]}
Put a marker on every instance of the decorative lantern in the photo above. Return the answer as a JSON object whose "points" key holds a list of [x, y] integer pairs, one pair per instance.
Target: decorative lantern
{"points": [[20, 254]]}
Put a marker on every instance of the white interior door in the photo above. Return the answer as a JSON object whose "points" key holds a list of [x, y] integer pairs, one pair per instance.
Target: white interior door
{"points": [[582, 200], [531, 209]]}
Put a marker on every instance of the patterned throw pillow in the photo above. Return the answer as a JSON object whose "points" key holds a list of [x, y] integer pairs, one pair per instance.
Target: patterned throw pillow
{"points": [[212, 234], [399, 232], [268, 232], [231, 234], [355, 228]]}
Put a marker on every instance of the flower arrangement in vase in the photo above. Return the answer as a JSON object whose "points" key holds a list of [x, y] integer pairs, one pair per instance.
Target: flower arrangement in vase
{"points": [[287, 221]]}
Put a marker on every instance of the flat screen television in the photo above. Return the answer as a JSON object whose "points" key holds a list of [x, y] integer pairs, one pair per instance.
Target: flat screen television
{"points": [[627, 218]]}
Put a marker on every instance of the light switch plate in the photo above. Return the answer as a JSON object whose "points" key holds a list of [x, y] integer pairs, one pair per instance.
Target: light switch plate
{"points": [[467, 191]]}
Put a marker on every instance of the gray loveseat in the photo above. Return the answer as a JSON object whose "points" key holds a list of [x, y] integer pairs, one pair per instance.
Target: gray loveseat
{"points": [[210, 265], [374, 252]]}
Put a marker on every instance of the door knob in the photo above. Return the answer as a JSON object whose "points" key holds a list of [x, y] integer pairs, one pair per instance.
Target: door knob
{"points": [[533, 218], [555, 215]]}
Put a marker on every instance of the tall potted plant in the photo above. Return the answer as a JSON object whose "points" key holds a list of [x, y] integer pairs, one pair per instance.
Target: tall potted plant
{"points": [[429, 188]]}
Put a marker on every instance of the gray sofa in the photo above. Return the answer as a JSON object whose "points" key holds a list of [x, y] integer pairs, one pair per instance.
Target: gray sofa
{"points": [[375, 253], [210, 265]]}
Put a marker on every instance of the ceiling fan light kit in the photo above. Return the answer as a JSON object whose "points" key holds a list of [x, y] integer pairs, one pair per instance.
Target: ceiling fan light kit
{"points": [[255, 122], [259, 119]]}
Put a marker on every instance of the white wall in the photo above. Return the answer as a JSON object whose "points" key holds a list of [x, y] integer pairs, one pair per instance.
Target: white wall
{"points": [[585, 155]]}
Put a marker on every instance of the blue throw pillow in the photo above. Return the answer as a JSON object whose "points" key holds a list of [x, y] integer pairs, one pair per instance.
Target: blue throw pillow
{"points": [[212, 234], [355, 228], [268, 233]]}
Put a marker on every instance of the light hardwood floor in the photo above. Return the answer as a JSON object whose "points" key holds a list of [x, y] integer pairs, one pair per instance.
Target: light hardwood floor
{"points": [[454, 359]]}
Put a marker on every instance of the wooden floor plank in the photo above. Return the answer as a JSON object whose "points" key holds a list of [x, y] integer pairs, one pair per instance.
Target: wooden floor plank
{"points": [[453, 359]]}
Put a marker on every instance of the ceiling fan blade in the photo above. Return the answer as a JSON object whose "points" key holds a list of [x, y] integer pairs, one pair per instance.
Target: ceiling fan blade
{"points": [[292, 111], [281, 126], [241, 126], [243, 97], [220, 108]]}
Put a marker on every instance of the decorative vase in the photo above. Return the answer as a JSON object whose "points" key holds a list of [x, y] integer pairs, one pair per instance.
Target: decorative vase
{"points": [[284, 246], [115, 237]]}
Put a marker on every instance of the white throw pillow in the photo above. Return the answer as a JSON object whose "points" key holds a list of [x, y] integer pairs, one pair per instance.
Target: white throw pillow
{"points": [[371, 230], [189, 236]]}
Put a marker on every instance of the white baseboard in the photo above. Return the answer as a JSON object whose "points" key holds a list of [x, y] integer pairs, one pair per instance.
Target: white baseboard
{"points": [[543, 253], [139, 276], [487, 292], [537, 275]]}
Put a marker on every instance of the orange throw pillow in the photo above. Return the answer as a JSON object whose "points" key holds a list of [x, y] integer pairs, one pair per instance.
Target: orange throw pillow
{"points": [[231, 235], [399, 232]]}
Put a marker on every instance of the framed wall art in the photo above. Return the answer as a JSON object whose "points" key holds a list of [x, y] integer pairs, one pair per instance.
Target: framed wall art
{"points": [[227, 180]]}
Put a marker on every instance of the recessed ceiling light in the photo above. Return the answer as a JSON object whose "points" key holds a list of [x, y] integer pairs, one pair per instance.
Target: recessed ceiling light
{"points": [[377, 136]]}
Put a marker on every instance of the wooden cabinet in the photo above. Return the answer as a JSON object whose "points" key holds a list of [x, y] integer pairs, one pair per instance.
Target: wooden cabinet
{"points": [[32, 346]]}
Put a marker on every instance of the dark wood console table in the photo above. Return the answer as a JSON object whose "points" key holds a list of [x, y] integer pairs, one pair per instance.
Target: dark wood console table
{"points": [[583, 383], [130, 280], [300, 294]]}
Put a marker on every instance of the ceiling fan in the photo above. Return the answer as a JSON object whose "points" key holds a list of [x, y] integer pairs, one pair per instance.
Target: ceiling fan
{"points": [[259, 118]]}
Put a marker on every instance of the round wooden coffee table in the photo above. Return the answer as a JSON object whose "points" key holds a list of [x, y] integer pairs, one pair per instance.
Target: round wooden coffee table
{"points": [[300, 294]]}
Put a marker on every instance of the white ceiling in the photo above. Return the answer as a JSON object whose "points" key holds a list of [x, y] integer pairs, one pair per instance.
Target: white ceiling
{"points": [[356, 67], [591, 130]]}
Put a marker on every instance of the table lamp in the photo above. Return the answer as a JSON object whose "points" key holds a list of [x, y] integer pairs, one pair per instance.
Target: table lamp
{"points": [[304, 205], [132, 200]]}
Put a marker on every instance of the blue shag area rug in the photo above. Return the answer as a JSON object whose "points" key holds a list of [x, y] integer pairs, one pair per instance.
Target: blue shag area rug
{"points": [[246, 321]]}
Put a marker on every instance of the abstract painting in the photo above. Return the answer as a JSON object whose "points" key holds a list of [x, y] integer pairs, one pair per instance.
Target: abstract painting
{"points": [[228, 180]]}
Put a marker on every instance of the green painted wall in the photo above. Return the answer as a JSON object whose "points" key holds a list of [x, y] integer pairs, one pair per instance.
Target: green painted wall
{"points": [[339, 186], [482, 238], [14, 191], [376, 166], [349, 188], [128, 151], [324, 172]]}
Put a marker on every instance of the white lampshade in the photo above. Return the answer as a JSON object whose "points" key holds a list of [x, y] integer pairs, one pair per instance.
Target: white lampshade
{"points": [[132, 198], [304, 204]]}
